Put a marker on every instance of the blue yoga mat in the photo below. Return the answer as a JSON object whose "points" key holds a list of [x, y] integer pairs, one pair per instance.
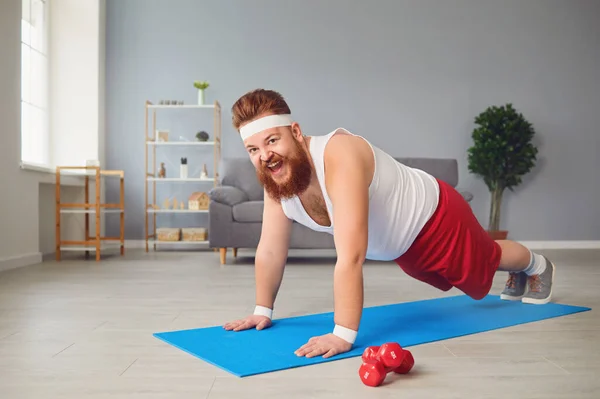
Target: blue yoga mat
{"points": [[251, 352]]}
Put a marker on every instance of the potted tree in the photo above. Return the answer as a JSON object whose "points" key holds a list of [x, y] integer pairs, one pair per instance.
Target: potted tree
{"points": [[501, 154]]}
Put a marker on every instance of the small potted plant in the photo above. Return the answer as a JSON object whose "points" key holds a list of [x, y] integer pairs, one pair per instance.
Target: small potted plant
{"points": [[202, 136], [502, 153], [201, 86]]}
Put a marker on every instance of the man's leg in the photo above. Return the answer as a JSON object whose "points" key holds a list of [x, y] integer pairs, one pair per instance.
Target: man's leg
{"points": [[480, 258], [526, 269], [456, 247]]}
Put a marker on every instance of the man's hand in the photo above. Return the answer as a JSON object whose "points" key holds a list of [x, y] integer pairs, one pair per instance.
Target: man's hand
{"points": [[260, 322], [327, 345]]}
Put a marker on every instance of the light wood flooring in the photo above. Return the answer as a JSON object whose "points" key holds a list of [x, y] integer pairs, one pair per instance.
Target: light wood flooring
{"points": [[82, 329]]}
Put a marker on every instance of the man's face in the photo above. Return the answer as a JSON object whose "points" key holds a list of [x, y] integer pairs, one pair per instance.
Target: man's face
{"points": [[282, 165]]}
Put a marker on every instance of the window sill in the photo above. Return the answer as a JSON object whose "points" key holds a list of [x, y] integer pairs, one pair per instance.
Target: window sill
{"points": [[37, 168], [47, 175]]}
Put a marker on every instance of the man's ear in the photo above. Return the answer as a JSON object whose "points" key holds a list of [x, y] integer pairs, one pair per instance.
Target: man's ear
{"points": [[296, 131]]}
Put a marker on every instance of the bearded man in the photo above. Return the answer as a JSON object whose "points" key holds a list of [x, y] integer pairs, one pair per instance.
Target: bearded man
{"points": [[375, 208]]}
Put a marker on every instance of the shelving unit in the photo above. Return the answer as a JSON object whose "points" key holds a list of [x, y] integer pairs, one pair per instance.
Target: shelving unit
{"points": [[151, 178], [97, 242]]}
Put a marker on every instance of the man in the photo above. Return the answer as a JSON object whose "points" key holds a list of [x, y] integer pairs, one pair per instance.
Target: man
{"points": [[375, 208]]}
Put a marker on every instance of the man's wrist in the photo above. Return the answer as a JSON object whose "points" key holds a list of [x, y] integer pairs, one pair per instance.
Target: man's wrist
{"points": [[263, 311], [345, 333]]}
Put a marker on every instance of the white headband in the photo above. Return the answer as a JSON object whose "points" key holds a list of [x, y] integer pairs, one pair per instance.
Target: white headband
{"points": [[264, 123]]}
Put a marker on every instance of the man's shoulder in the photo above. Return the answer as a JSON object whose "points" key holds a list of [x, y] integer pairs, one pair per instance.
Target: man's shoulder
{"points": [[343, 147], [349, 156]]}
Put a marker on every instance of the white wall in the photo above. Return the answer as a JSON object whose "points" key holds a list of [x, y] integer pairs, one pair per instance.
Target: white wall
{"points": [[27, 214], [19, 198]]}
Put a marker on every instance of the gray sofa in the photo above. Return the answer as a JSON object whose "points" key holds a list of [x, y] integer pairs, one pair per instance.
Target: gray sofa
{"points": [[236, 206]]}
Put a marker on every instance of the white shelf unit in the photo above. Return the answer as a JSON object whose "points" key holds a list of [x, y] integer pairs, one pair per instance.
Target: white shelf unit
{"points": [[181, 143], [179, 179], [177, 211], [151, 178], [93, 211]]}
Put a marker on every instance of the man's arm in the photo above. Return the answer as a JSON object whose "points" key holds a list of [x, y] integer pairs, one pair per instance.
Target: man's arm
{"points": [[271, 253], [348, 173]]}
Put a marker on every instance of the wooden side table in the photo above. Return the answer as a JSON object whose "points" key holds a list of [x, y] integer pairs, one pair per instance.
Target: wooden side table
{"points": [[97, 242]]}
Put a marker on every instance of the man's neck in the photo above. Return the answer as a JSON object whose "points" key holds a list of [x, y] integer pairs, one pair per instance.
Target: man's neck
{"points": [[314, 181]]}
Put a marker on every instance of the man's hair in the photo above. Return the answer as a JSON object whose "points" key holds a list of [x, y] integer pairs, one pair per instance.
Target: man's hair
{"points": [[255, 103]]}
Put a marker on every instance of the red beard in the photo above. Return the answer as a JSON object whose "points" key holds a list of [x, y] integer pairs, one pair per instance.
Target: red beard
{"points": [[298, 182]]}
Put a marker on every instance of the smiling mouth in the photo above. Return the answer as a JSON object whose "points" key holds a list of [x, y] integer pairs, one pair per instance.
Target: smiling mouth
{"points": [[275, 167]]}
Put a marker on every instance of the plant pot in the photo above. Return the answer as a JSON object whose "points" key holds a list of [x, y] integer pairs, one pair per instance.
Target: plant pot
{"points": [[200, 97], [498, 234]]}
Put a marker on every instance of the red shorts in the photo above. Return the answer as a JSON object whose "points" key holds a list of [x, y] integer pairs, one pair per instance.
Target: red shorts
{"points": [[453, 249]]}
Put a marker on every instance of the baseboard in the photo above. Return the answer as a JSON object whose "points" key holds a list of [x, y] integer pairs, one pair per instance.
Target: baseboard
{"points": [[135, 244], [20, 261], [590, 244], [567, 244]]}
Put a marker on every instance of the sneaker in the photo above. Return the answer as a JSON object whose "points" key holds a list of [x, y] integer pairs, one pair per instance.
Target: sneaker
{"points": [[540, 286], [515, 286]]}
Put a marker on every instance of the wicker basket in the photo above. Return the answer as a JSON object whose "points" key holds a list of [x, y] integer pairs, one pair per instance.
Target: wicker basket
{"points": [[168, 234], [194, 234]]}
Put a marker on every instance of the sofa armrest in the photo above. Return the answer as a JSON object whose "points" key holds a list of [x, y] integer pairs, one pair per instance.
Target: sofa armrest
{"points": [[466, 195], [220, 225], [228, 195]]}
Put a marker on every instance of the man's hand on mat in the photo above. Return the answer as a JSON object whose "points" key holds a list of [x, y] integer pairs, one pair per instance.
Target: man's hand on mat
{"points": [[260, 322], [327, 345]]}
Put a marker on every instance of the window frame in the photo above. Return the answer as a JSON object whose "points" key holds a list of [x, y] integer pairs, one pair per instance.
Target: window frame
{"points": [[35, 86]]}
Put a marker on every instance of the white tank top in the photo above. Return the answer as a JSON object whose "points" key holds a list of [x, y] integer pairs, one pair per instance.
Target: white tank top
{"points": [[401, 201]]}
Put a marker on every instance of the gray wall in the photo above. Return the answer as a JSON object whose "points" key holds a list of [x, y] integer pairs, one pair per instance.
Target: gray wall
{"points": [[19, 236], [405, 74]]}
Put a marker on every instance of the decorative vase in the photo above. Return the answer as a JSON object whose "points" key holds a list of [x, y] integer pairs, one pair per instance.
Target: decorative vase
{"points": [[200, 97], [183, 169]]}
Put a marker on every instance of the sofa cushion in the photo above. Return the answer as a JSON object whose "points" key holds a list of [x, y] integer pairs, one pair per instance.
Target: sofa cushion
{"points": [[228, 195], [251, 211]]}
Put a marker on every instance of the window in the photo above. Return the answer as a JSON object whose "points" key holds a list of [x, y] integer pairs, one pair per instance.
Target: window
{"points": [[35, 130]]}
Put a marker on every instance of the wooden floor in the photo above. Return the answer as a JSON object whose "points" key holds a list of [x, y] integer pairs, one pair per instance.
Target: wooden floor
{"points": [[81, 329]]}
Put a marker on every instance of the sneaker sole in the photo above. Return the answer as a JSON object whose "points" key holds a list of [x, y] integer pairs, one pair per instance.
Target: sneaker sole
{"points": [[543, 301], [510, 297]]}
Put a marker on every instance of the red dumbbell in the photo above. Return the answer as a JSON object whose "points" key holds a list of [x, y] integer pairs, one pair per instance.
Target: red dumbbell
{"points": [[378, 361], [372, 374], [407, 363], [391, 355], [370, 354]]}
